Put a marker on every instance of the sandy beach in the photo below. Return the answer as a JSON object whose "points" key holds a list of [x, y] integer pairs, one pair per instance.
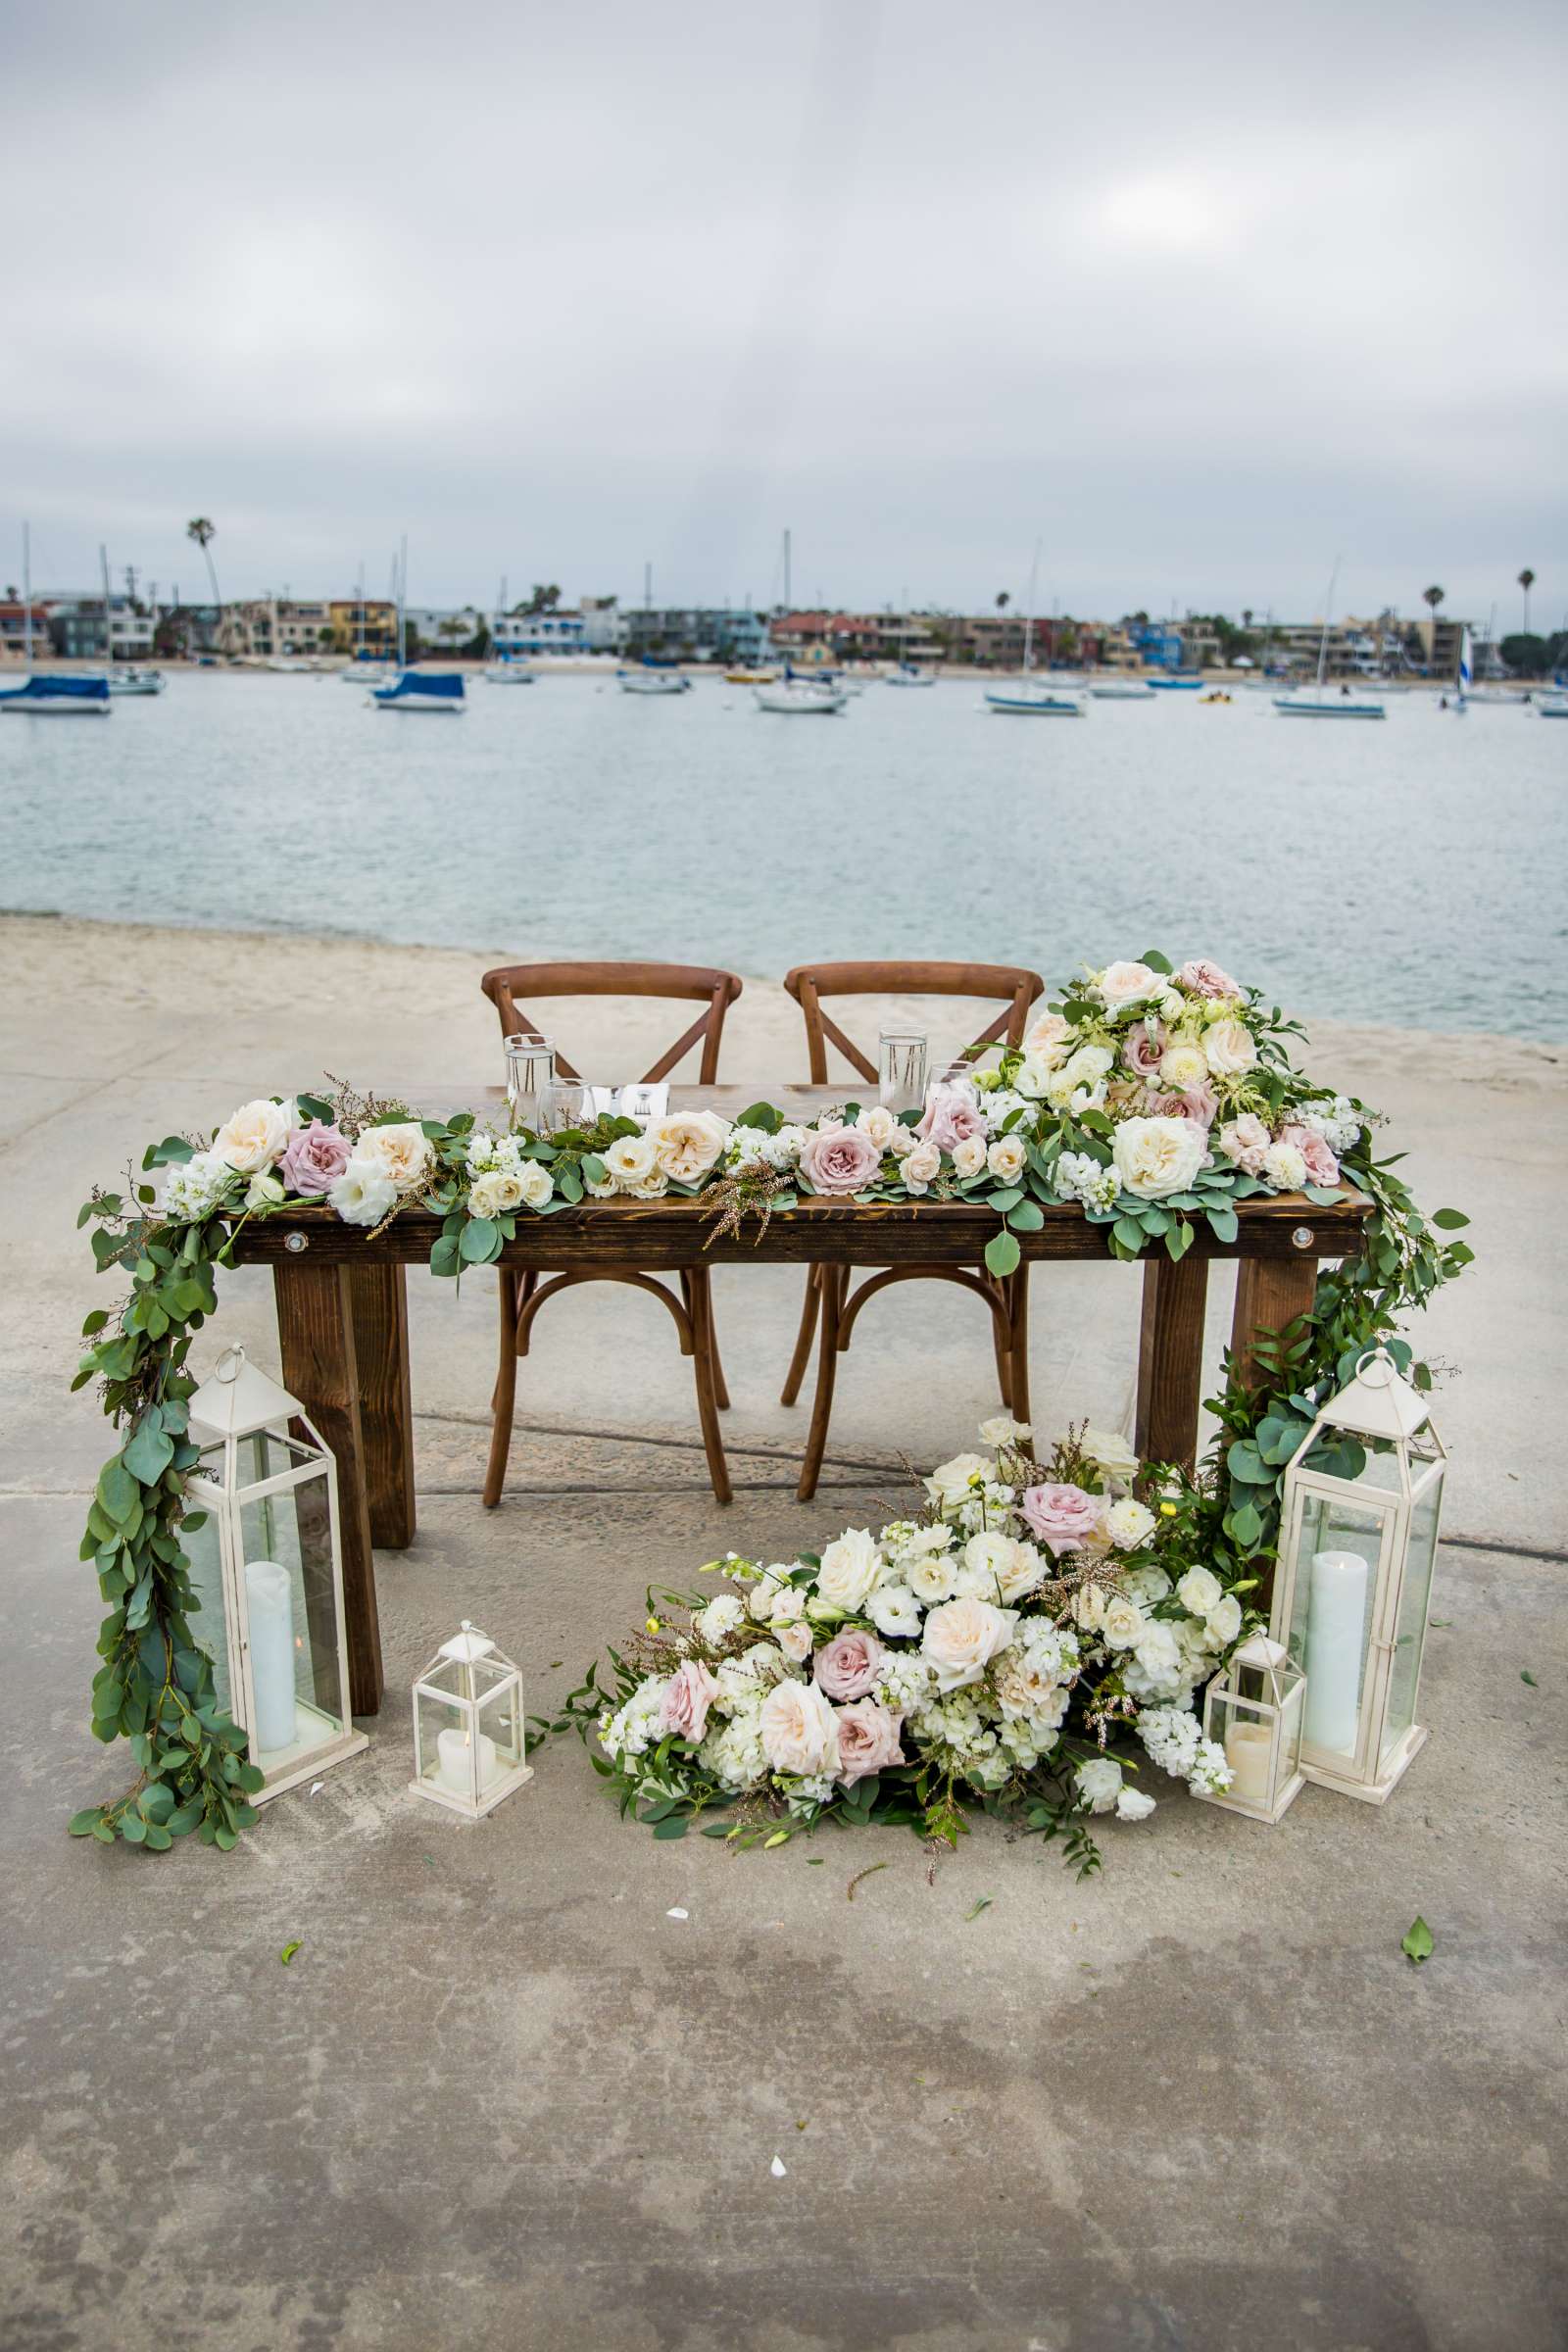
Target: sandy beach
{"points": [[1304, 2124]]}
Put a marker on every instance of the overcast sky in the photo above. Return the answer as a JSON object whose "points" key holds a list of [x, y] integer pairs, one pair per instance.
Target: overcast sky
{"points": [[561, 290]]}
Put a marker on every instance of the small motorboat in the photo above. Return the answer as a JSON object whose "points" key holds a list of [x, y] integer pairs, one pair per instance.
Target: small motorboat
{"points": [[650, 680], [137, 681], [414, 690], [750, 678], [1027, 700], [58, 697], [1178, 682], [1123, 690], [910, 673], [800, 695], [1327, 705], [1553, 706], [1217, 696], [509, 673]]}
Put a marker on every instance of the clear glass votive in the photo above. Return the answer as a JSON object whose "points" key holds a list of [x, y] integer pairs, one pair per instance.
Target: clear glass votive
{"points": [[530, 1073], [901, 1069], [568, 1103]]}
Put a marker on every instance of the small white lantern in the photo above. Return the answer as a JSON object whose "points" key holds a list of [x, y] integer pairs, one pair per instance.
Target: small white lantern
{"points": [[1254, 1710], [1358, 1547], [469, 1741], [266, 1571]]}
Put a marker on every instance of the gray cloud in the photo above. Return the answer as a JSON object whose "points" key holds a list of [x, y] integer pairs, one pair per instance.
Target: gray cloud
{"points": [[1203, 305]]}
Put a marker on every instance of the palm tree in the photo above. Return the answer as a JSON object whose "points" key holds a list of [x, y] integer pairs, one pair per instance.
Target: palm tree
{"points": [[1527, 581], [1003, 601], [1246, 617], [203, 531], [1433, 597]]}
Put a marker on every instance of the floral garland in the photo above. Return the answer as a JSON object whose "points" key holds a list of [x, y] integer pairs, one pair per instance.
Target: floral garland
{"points": [[1147, 1096], [990, 1647]]}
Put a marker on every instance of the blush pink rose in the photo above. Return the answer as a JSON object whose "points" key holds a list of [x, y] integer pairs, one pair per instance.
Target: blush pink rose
{"points": [[840, 1160], [689, 1694], [1321, 1165], [1199, 1103], [847, 1666], [1143, 1046], [1065, 1518], [313, 1158], [949, 1116], [1244, 1143], [868, 1740], [1205, 979]]}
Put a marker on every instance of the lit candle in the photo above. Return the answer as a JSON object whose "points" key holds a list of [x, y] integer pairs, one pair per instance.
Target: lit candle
{"points": [[1334, 1620], [269, 1606], [1247, 1752], [452, 1762]]}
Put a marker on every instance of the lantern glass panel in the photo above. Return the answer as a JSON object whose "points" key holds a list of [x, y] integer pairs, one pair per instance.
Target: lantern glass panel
{"points": [[500, 1714], [1246, 1734], [1411, 1623], [1330, 1627], [286, 1548], [264, 1454], [447, 1729], [208, 1626]]}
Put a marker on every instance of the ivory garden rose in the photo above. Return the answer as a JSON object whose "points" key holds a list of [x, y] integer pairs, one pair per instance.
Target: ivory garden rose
{"points": [[255, 1136], [1156, 1156], [688, 1143], [400, 1150], [799, 1731]]}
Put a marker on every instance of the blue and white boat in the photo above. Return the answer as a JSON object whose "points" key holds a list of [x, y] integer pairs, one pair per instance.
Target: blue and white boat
{"points": [[58, 698], [421, 689], [910, 673], [1553, 706], [651, 679], [1029, 700], [1177, 681], [1321, 705], [1123, 690]]}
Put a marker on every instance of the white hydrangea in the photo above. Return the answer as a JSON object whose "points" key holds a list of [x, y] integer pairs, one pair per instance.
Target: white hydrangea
{"points": [[635, 1728], [1336, 1122], [755, 1147], [733, 1750], [197, 1187], [905, 1682]]}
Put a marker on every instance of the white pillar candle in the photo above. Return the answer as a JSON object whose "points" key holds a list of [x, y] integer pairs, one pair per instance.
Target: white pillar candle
{"points": [[269, 1606], [1247, 1751], [452, 1762], [1335, 1618]]}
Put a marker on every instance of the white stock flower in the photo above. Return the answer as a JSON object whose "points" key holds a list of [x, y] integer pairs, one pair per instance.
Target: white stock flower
{"points": [[1005, 1157], [961, 1637], [194, 1189], [851, 1570], [1156, 1156], [254, 1135], [1129, 1523], [893, 1610], [400, 1152], [1198, 1591], [1099, 1780], [1228, 1047], [363, 1194]]}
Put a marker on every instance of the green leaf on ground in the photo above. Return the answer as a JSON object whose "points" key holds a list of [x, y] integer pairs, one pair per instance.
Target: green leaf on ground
{"points": [[848, 1891], [982, 1904], [289, 1950], [1525, 1676], [1416, 1944]]}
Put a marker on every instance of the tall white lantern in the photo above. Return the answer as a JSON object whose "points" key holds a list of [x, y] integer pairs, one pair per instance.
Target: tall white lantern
{"points": [[267, 1573], [470, 1743], [1357, 1546]]}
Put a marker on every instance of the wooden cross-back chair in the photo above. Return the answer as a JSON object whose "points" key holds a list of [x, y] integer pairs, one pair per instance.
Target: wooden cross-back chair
{"points": [[523, 1294], [828, 1297]]}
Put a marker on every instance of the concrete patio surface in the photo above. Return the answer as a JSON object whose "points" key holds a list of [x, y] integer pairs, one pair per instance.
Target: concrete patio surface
{"points": [[499, 2098]]}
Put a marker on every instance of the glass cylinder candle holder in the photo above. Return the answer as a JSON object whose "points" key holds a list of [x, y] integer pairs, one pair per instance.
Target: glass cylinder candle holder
{"points": [[530, 1073], [901, 1069]]}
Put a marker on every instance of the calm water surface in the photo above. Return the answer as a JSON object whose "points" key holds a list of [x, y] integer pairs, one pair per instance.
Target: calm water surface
{"points": [[1409, 872]]}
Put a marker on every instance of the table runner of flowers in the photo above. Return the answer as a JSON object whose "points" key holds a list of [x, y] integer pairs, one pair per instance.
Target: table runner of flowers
{"points": [[1151, 1095]]}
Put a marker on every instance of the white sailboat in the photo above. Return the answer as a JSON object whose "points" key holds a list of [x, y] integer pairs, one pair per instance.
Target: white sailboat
{"points": [[793, 696], [68, 697], [1027, 697], [1123, 690], [505, 670], [1317, 704], [910, 673]]}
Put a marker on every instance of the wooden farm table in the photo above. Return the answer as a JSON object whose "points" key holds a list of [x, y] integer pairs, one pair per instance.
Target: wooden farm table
{"points": [[342, 1308]]}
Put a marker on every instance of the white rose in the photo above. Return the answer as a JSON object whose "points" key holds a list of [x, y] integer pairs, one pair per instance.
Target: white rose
{"points": [[535, 1184], [688, 1143], [893, 1610], [968, 1155], [1182, 1065], [1171, 1005], [1129, 1524], [1284, 1167], [932, 1576], [791, 1140], [1109, 1452], [879, 1125], [922, 1165], [1005, 1158], [1002, 1430], [1023, 1572], [1048, 1040], [264, 1192], [851, 1570], [953, 1482], [629, 1160], [1035, 1074], [1198, 1591], [961, 1638], [1122, 984], [1099, 1781], [493, 1193], [1228, 1047], [363, 1195], [903, 1140], [794, 1639], [1121, 1621], [800, 1729], [1224, 1621], [1133, 1805], [1156, 1156], [400, 1150], [255, 1136]]}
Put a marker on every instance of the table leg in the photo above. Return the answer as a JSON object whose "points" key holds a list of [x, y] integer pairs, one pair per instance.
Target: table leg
{"points": [[316, 1338], [380, 1302], [832, 1282], [1270, 1293], [1171, 1360], [1016, 1290]]}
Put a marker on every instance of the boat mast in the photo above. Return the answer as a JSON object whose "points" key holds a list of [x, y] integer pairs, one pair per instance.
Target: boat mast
{"points": [[26, 595], [1029, 613], [403, 593], [109, 626], [1328, 615], [359, 615], [787, 606]]}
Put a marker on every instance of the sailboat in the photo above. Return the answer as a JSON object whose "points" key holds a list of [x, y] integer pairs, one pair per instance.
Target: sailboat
{"points": [[505, 669], [417, 690], [72, 697], [365, 670], [910, 673], [1027, 698], [1123, 690], [1318, 705], [802, 695]]}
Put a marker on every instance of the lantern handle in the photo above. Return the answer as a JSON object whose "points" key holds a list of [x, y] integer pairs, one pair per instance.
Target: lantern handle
{"points": [[1383, 1363], [229, 1364]]}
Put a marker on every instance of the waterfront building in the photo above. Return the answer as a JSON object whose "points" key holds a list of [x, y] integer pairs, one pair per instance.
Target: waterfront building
{"points": [[76, 631], [445, 628], [698, 633], [517, 635], [604, 624], [267, 628], [14, 631], [367, 622]]}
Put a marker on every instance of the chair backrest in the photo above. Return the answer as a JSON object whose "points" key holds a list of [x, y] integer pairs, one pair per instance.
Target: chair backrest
{"points": [[809, 983], [715, 991]]}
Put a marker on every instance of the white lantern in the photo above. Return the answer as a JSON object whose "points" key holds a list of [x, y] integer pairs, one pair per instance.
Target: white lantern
{"points": [[469, 1741], [1358, 1540], [267, 1573], [1253, 1710]]}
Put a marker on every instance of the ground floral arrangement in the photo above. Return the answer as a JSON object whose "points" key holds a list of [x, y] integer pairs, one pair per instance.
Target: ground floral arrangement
{"points": [[1002, 1643], [1148, 1096]]}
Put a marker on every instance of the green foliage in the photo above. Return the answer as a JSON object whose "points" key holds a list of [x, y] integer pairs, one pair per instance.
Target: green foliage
{"points": [[1416, 1941]]}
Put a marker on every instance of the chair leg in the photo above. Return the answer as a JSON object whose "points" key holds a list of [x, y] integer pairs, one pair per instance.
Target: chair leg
{"points": [[505, 1390], [702, 1363], [689, 1279], [1017, 1287], [1001, 1345], [832, 1283], [802, 1337]]}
